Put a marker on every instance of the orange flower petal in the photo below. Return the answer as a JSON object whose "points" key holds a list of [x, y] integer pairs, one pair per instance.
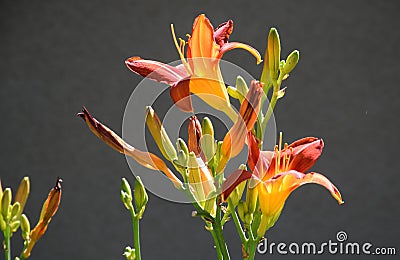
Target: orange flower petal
{"points": [[274, 192], [155, 70], [201, 43], [180, 94], [146, 159], [237, 45]]}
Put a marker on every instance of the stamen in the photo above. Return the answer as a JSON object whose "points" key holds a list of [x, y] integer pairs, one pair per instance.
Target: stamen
{"points": [[180, 49], [277, 159]]}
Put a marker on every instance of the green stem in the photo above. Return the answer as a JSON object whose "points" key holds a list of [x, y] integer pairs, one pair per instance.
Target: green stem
{"points": [[268, 115], [7, 243], [276, 87], [251, 249], [216, 242], [136, 234], [237, 223], [217, 227]]}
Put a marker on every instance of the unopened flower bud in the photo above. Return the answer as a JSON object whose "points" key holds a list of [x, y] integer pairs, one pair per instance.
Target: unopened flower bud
{"points": [[241, 208], [126, 194], [241, 87], [273, 53], [194, 135], [251, 196], [194, 179], [15, 209], [248, 218], [126, 187], [207, 141], [160, 135], [129, 253], [233, 92], [140, 195], [5, 204], [182, 147], [291, 62], [23, 193], [14, 225], [25, 227]]}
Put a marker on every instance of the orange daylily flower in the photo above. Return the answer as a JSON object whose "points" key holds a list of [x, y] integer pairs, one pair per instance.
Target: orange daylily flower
{"points": [[146, 159], [199, 73], [276, 174]]}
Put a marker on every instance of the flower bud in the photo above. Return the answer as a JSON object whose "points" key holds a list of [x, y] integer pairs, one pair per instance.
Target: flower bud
{"points": [[251, 196], [248, 218], [181, 162], [25, 227], [14, 225], [291, 62], [126, 187], [241, 87], [160, 135], [233, 92], [129, 253], [141, 197], [126, 200], [194, 135], [22, 193], [273, 53], [241, 208], [15, 210], [126, 194], [207, 141], [194, 179], [181, 146], [5, 204]]}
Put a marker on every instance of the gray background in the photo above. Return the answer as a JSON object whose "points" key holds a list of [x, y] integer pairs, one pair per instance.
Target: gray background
{"points": [[59, 55]]}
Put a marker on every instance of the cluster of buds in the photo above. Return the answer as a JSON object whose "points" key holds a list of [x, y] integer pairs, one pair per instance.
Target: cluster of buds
{"points": [[12, 216], [139, 197]]}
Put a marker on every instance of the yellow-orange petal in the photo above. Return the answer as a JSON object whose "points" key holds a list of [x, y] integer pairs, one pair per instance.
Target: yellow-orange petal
{"points": [[238, 45], [201, 42], [146, 159], [274, 192]]}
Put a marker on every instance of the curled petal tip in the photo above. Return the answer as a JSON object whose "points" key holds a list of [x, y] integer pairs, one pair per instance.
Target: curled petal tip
{"points": [[58, 183]]}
